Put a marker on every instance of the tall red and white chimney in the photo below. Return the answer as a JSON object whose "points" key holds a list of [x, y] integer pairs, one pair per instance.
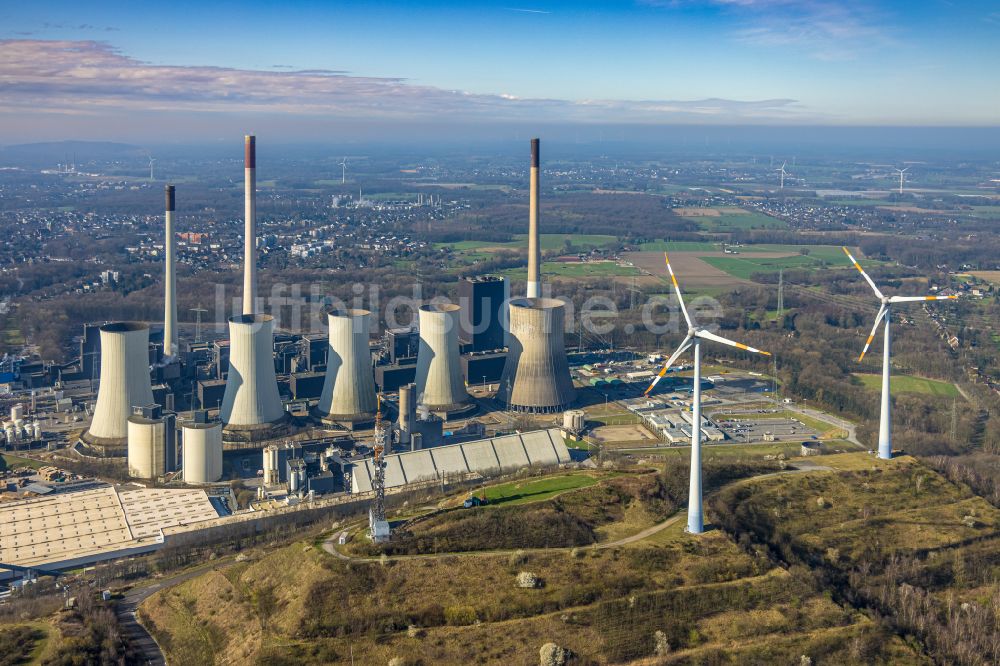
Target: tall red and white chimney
{"points": [[250, 230], [534, 252]]}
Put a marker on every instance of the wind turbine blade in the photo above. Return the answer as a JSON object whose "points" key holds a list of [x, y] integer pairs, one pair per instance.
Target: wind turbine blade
{"points": [[878, 320], [685, 345], [862, 271], [914, 299], [732, 343], [677, 290]]}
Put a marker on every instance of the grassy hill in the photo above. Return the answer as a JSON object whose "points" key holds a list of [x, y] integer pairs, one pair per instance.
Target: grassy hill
{"points": [[660, 595]]}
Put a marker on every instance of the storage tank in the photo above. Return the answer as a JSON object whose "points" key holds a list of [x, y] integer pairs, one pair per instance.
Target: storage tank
{"points": [[17, 412], [440, 387], [348, 395], [152, 446], [536, 375], [574, 420], [202, 444], [124, 384], [251, 403], [36, 431], [270, 465]]}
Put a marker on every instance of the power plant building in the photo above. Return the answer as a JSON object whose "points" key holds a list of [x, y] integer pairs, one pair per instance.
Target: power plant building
{"points": [[124, 384], [536, 377], [486, 457], [482, 299]]}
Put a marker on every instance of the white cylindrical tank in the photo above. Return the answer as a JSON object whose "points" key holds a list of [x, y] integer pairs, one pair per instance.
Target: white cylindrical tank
{"points": [[124, 382], [270, 465], [19, 429], [251, 397], [17, 412], [9, 433], [202, 445], [440, 387], [36, 431], [349, 388], [536, 374], [143, 449], [574, 420]]}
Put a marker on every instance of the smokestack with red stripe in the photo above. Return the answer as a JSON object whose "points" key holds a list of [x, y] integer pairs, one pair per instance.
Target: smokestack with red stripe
{"points": [[250, 231], [534, 251], [170, 348]]}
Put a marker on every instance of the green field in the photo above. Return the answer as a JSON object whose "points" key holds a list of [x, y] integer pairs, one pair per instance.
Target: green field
{"points": [[522, 492], [679, 246], [578, 270], [833, 254], [721, 452], [18, 461], [547, 241], [727, 221], [911, 384]]}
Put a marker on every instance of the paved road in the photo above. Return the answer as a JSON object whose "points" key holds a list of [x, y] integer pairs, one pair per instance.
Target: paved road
{"points": [[835, 421], [135, 632]]}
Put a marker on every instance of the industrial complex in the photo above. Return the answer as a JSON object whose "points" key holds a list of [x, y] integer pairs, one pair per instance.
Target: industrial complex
{"points": [[467, 391]]}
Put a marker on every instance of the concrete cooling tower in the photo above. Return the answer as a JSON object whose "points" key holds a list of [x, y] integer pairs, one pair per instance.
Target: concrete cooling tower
{"points": [[440, 387], [124, 384], [251, 407], [348, 396], [536, 376]]}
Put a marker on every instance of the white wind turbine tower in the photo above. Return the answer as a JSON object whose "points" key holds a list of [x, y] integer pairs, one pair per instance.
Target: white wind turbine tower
{"points": [[343, 171], [694, 336], [151, 161], [901, 172], [885, 418], [782, 171]]}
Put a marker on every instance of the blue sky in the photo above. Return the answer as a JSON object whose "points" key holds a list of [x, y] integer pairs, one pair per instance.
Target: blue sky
{"points": [[98, 67]]}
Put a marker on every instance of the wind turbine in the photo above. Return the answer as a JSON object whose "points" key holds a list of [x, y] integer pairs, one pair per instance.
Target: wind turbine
{"points": [[693, 338], [343, 171], [151, 160], [901, 172], [782, 170], [885, 418]]}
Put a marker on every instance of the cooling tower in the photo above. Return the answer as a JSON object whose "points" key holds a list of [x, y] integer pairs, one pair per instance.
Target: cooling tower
{"points": [[349, 389], [534, 250], [124, 384], [202, 445], [536, 376], [170, 348], [440, 387], [250, 224], [251, 404]]}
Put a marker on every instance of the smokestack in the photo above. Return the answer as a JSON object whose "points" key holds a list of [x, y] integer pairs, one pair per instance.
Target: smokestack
{"points": [[349, 388], [407, 412], [440, 387], [534, 252], [250, 230], [170, 348], [124, 384]]}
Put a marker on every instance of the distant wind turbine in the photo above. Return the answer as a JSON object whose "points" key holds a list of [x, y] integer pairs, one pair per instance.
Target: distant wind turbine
{"points": [[343, 171], [693, 338], [782, 171], [151, 160], [901, 172], [885, 419]]}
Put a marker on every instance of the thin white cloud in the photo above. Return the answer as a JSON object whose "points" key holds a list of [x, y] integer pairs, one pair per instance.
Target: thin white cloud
{"points": [[816, 28], [88, 77]]}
